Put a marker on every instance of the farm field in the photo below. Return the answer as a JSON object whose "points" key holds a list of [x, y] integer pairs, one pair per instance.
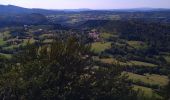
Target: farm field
{"points": [[99, 47], [167, 58], [106, 35], [147, 92], [2, 42], [152, 79], [137, 44], [139, 63]]}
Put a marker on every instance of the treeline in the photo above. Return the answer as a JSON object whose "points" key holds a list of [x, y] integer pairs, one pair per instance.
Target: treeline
{"points": [[22, 19], [154, 33]]}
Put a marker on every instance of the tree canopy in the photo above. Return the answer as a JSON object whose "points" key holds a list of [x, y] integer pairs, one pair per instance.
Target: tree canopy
{"points": [[62, 70]]}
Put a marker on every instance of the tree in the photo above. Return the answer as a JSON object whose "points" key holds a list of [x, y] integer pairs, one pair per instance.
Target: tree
{"points": [[62, 70]]}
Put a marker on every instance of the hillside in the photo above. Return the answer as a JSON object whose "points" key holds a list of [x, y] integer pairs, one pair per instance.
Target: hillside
{"points": [[22, 19], [83, 53]]}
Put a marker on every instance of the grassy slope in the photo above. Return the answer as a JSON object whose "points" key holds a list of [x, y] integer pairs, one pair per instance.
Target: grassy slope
{"points": [[152, 79], [98, 47], [139, 63], [137, 44], [6, 55], [147, 92], [105, 35], [167, 58], [2, 42]]}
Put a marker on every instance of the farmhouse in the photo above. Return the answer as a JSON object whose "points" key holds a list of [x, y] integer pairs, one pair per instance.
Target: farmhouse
{"points": [[94, 35]]}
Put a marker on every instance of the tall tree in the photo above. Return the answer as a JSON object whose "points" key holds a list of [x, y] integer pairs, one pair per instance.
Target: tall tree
{"points": [[62, 70]]}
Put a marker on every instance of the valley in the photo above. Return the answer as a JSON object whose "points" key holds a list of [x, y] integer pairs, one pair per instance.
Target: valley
{"points": [[137, 41]]}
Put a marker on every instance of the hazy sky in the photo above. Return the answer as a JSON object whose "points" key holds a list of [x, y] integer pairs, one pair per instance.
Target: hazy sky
{"points": [[93, 4]]}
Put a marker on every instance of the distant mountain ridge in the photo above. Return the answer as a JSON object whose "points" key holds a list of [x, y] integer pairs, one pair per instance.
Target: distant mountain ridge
{"points": [[140, 9], [14, 15], [11, 9]]}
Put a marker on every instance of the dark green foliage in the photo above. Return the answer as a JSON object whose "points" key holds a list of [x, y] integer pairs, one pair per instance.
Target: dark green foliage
{"points": [[22, 19], [3, 60], [62, 70]]}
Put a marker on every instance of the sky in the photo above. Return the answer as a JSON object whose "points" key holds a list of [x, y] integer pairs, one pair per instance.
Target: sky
{"points": [[91, 4]]}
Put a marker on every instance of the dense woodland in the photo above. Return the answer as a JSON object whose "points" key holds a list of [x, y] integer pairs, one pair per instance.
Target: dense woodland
{"points": [[88, 55]]}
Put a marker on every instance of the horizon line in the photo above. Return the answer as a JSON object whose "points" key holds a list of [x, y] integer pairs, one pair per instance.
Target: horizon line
{"points": [[145, 8]]}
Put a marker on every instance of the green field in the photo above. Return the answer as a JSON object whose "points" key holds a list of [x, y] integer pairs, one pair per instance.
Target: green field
{"points": [[98, 47], [6, 55], [2, 42], [48, 41], [137, 44], [139, 63], [105, 35], [167, 58], [11, 47], [146, 92], [108, 60], [152, 79], [115, 61]]}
